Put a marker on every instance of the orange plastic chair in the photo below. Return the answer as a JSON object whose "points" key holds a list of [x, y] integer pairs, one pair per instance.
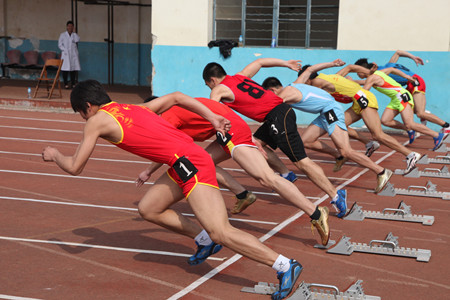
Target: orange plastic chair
{"points": [[31, 58], [50, 64], [13, 61]]}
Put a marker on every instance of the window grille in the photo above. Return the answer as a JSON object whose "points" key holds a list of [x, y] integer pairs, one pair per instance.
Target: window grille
{"points": [[287, 23]]}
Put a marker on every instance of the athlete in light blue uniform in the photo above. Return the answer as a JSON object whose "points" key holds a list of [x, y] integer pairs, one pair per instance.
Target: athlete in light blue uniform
{"points": [[331, 120], [318, 101]]}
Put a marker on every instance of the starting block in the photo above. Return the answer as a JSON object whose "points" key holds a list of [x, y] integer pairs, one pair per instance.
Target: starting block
{"points": [[388, 246], [439, 159], [310, 291], [402, 213], [427, 172], [447, 139], [415, 190], [442, 148]]}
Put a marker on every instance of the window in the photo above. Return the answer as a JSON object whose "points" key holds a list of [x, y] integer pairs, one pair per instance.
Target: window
{"points": [[292, 23]]}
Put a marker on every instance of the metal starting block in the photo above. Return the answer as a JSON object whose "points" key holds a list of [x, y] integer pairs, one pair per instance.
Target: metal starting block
{"points": [[415, 190], [262, 288], [442, 148], [402, 213], [309, 291], [388, 246], [415, 173], [439, 159], [447, 139]]}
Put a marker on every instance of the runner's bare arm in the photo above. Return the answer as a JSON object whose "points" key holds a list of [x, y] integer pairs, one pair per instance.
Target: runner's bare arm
{"points": [[371, 81], [165, 102], [147, 173], [253, 68], [75, 164], [317, 67], [353, 69], [401, 53], [398, 72]]}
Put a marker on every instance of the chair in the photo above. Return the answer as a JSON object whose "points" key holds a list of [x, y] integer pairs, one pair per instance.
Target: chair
{"points": [[49, 64], [13, 60], [31, 57], [48, 55]]}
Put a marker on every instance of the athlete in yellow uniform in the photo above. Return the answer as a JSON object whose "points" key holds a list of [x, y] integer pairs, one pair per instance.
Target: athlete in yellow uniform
{"points": [[401, 100], [365, 106]]}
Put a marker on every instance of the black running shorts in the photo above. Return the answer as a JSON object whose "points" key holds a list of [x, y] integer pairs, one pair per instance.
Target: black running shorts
{"points": [[279, 130]]}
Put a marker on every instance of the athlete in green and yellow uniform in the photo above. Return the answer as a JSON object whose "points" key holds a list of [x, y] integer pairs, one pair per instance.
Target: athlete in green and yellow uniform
{"points": [[401, 100], [365, 106]]}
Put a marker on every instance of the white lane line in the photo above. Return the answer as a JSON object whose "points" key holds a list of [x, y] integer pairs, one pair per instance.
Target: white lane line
{"points": [[50, 141], [271, 233], [117, 208], [42, 129], [91, 158], [105, 247], [148, 162], [46, 120], [9, 297], [116, 180]]}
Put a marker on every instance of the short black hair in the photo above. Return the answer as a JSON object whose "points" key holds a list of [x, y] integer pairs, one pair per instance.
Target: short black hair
{"points": [[88, 91], [312, 76], [363, 62], [213, 69], [69, 22], [271, 82]]}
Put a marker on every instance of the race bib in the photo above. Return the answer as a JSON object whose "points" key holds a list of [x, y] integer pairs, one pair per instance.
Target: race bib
{"points": [[330, 116], [404, 97], [184, 168], [223, 140]]}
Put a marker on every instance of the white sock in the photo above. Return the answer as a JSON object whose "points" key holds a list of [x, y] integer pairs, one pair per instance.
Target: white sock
{"points": [[281, 264], [335, 198], [411, 154], [203, 238], [285, 174]]}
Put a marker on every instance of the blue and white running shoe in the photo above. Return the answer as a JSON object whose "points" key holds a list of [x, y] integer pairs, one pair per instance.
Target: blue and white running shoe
{"points": [[290, 176], [203, 252], [341, 203], [438, 141], [287, 280], [412, 136]]}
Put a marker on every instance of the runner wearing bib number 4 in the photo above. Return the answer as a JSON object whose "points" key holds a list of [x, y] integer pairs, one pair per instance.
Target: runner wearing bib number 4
{"points": [[401, 100], [330, 120]]}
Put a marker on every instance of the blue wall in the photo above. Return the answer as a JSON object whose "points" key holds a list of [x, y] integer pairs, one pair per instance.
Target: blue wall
{"points": [[132, 62], [180, 69]]}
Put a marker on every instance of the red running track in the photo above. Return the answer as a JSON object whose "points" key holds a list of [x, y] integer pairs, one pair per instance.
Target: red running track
{"points": [[67, 237]]}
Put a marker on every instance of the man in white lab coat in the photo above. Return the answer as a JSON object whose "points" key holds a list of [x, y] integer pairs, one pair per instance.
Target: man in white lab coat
{"points": [[68, 44]]}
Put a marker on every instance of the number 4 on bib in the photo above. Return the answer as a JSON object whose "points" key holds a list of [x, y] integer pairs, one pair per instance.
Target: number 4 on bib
{"points": [[330, 116]]}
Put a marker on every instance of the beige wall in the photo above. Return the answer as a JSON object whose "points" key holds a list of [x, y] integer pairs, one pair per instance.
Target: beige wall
{"points": [[415, 25], [46, 19], [181, 22]]}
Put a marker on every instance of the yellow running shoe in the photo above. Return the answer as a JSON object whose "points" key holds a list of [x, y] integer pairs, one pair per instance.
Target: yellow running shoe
{"points": [[339, 163], [242, 204], [382, 180], [322, 225]]}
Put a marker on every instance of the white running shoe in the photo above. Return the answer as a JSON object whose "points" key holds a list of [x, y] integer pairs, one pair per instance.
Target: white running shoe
{"points": [[411, 161], [371, 147]]}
